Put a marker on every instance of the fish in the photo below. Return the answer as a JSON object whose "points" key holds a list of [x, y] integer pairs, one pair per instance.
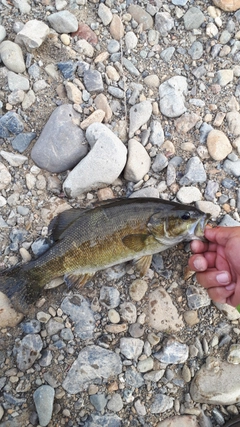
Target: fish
{"points": [[85, 241]]}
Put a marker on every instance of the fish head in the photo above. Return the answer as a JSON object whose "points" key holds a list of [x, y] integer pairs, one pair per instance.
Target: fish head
{"points": [[185, 223]]}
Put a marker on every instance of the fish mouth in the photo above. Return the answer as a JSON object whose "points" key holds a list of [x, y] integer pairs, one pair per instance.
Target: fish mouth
{"points": [[198, 232]]}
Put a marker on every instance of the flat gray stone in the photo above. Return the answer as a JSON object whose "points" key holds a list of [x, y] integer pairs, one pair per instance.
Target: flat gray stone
{"points": [[16, 81], [27, 351], [79, 311], [161, 403], [92, 364], [232, 168], [63, 22], [172, 352], [193, 18], [101, 166], [194, 173], [61, 144], [43, 398], [139, 115]]}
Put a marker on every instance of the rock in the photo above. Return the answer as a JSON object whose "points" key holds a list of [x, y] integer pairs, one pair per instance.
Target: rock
{"points": [[233, 118], [131, 40], [116, 28], [139, 115], [216, 383], [193, 18], [103, 420], [104, 14], [230, 312], [161, 403], [2, 33], [180, 421], [93, 81], [85, 48], [96, 117], [73, 93], [13, 159], [209, 207], [5, 177], [186, 122], [141, 16], [17, 82], [232, 168], [163, 23], [189, 195], [167, 54], [223, 77], [131, 348], [234, 354], [12, 56], [27, 351], [21, 142], [109, 297], [138, 161], [54, 326], [61, 131], [43, 398], [218, 145], [172, 352], [32, 34], [163, 315], [101, 103], [101, 166], [128, 312], [115, 404], [227, 5], [8, 316], [152, 81], [93, 362], [194, 173], [157, 134], [137, 289], [159, 163], [79, 311], [86, 33], [10, 122], [63, 22], [172, 99]]}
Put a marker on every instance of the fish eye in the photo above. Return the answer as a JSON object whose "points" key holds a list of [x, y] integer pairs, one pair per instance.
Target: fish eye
{"points": [[186, 215]]}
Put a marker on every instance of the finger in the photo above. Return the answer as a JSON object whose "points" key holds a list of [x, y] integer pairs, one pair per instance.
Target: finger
{"points": [[197, 246], [234, 299], [221, 235], [198, 263], [214, 278], [220, 294]]}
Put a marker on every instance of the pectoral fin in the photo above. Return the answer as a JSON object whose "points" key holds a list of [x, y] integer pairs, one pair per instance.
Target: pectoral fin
{"points": [[135, 242], [77, 280], [142, 264]]}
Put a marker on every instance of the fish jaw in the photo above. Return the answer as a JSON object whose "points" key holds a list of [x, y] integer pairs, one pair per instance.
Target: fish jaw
{"points": [[197, 232]]}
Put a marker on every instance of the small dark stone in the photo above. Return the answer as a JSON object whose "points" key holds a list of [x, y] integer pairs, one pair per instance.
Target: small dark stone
{"points": [[93, 81], [67, 69], [11, 122], [22, 141], [228, 183]]}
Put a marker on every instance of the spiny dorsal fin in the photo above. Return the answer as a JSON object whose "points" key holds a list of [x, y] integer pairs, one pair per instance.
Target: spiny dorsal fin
{"points": [[77, 280], [135, 242], [62, 221], [142, 264]]}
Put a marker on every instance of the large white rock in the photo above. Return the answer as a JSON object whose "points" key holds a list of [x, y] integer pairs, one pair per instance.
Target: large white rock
{"points": [[216, 383], [102, 165], [33, 34], [172, 96], [12, 56]]}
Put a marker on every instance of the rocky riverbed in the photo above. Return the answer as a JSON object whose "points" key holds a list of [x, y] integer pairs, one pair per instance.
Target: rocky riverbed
{"points": [[118, 99]]}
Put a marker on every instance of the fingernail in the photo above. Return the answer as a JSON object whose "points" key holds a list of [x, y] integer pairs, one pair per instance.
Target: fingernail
{"points": [[230, 287], [198, 264], [223, 278]]}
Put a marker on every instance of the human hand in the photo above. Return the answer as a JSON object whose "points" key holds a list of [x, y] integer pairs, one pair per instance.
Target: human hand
{"points": [[217, 264]]}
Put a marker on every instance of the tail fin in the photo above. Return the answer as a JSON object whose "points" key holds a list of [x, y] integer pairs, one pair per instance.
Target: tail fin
{"points": [[15, 283]]}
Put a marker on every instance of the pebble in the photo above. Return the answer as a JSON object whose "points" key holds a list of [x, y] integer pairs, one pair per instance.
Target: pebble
{"points": [[161, 403], [157, 134], [116, 28], [234, 354], [113, 316], [139, 115], [17, 82], [5, 177], [233, 122], [193, 18], [163, 315], [43, 399], [22, 141], [102, 165], [128, 312], [218, 145], [92, 363], [232, 168], [104, 14], [93, 81], [164, 23], [27, 351], [79, 311], [131, 348], [109, 297], [49, 151], [99, 401], [33, 34], [138, 162], [63, 22], [115, 404], [196, 296], [194, 173], [189, 194], [173, 352], [138, 289], [181, 421], [141, 16], [12, 56], [172, 96]]}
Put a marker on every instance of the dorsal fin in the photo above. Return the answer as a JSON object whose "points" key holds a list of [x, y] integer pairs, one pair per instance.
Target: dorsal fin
{"points": [[62, 221]]}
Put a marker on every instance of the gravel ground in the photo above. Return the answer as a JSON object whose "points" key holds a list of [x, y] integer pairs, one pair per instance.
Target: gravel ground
{"points": [[150, 92]]}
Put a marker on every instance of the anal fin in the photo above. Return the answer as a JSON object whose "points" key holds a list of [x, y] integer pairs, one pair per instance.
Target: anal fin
{"points": [[77, 280], [143, 264]]}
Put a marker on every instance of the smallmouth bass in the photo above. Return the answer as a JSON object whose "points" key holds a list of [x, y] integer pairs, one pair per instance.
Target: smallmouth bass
{"points": [[88, 240]]}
